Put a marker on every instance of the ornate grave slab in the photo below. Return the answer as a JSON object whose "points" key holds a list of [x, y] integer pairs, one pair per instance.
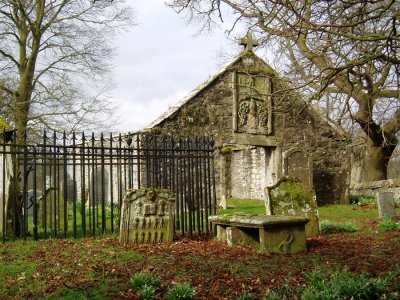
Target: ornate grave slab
{"points": [[290, 197], [147, 216], [269, 234]]}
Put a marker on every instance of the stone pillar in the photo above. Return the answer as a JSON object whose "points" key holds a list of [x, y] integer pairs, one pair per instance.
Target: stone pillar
{"points": [[221, 166], [2, 191], [6, 173]]}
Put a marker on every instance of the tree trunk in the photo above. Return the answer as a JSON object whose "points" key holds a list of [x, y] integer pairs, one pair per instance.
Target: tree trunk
{"points": [[373, 164], [15, 220]]}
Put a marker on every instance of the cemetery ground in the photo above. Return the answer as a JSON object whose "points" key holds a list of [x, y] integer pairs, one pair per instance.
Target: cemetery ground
{"points": [[356, 255]]}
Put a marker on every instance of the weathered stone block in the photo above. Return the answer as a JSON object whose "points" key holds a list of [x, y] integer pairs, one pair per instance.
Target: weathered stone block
{"points": [[221, 233], [290, 197], [287, 239], [147, 216], [386, 205], [242, 236]]}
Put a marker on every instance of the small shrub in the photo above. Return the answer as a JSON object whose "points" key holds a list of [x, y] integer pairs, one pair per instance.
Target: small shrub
{"points": [[181, 291], [284, 291], [147, 292], [343, 285], [363, 200], [274, 296], [142, 279], [340, 227], [246, 296], [388, 224]]}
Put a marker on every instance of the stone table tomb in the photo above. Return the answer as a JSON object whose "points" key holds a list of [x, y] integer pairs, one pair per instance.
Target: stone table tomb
{"points": [[268, 234]]}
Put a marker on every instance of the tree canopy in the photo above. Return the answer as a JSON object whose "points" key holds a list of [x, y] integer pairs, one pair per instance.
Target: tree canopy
{"points": [[342, 55], [54, 61]]}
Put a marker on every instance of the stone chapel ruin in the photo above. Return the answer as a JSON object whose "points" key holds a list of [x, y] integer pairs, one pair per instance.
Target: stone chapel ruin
{"points": [[263, 131]]}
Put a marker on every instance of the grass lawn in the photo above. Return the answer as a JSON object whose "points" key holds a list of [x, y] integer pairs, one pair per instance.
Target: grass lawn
{"points": [[364, 262]]}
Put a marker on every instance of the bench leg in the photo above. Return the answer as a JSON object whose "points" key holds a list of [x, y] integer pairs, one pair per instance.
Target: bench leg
{"points": [[221, 233], [283, 240], [242, 236]]}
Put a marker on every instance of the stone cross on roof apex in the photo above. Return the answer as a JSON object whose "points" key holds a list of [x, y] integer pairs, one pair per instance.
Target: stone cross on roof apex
{"points": [[249, 42]]}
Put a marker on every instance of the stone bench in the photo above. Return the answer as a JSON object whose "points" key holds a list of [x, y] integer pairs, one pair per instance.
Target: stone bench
{"points": [[269, 234]]}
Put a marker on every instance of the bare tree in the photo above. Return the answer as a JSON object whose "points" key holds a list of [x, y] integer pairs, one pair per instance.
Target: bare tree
{"points": [[54, 60], [341, 54]]}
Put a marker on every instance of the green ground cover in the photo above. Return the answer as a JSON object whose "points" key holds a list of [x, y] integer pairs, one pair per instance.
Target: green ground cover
{"points": [[363, 264]]}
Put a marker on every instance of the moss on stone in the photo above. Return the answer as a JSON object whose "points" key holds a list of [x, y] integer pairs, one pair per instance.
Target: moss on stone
{"points": [[227, 149], [292, 198], [294, 189], [3, 125]]}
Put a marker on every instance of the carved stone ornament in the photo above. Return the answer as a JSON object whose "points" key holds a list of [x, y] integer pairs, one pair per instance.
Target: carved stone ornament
{"points": [[147, 216], [252, 105]]}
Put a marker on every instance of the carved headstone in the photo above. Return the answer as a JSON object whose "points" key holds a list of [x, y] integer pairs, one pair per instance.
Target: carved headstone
{"points": [[386, 205], [147, 216], [290, 197], [252, 112]]}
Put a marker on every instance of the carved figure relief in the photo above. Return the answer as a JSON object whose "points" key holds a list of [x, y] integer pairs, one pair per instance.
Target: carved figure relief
{"points": [[252, 113], [284, 245], [147, 216]]}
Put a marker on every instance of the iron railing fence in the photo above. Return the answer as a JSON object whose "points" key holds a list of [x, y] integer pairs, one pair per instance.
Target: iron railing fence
{"points": [[73, 185]]}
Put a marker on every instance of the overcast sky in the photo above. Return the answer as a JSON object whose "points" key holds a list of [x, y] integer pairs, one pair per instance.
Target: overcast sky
{"points": [[160, 60]]}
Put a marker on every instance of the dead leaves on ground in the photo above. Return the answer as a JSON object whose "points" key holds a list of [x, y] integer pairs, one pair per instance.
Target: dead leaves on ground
{"points": [[217, 272]]}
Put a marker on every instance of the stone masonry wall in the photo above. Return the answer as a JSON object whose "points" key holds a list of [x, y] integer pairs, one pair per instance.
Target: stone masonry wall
{"points": [[248, 173], [370, 189], [210, 112]]}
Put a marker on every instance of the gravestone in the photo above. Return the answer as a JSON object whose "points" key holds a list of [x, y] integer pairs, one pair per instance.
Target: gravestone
{"points": [[71, 189], [98, 190], [147, 216], [51, 209], [290, 197], [386, 205], [298, 164]]}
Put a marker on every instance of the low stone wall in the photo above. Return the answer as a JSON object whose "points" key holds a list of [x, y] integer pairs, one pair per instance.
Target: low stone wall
{"points": [[371, 188]]}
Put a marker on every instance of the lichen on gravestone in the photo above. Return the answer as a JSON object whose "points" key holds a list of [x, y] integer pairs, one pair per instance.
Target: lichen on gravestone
{"points": [[147, 216], [290, 197]]}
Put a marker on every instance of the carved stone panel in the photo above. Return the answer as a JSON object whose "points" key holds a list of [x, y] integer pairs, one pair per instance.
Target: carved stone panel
{"points": [[252, 104], [147, 216]]}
